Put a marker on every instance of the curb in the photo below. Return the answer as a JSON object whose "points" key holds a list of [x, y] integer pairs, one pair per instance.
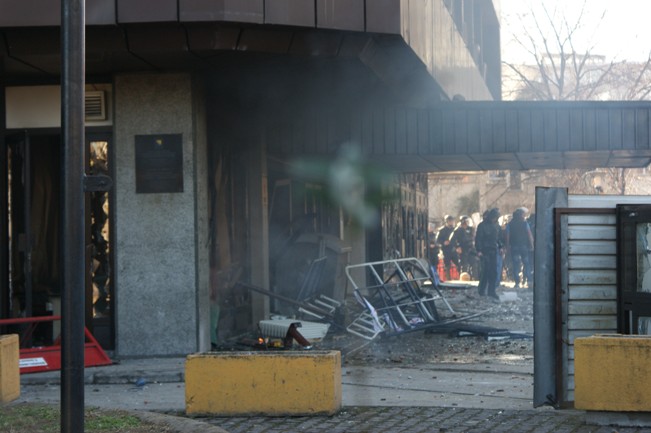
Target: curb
{"points": [[180, 424], [107, 378]]}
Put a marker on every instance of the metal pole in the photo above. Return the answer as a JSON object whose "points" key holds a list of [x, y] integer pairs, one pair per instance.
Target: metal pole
{"points": [[73, 215]]}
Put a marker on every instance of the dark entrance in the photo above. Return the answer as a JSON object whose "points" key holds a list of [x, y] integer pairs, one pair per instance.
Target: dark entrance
{"points": [[32, 286], [634, 268]]}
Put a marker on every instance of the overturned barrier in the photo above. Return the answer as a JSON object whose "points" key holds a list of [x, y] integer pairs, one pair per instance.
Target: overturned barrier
{"points": [[267, 383]]}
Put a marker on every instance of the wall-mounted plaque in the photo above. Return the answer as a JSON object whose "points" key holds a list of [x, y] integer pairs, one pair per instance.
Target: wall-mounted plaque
{"points": [[159, 163]]}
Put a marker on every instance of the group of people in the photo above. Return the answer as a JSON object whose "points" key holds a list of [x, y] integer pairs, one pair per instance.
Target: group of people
{"points": [[481, 252], [456, 242]]}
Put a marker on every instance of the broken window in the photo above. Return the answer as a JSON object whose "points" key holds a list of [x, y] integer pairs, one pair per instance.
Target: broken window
{"points": [[634, 266]]}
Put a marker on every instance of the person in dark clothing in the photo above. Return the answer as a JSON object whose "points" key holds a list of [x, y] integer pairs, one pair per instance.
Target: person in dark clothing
{"points": [[443, 240], [519, 241], [532, 225], [487, 245], [462, 240], [484, 216], [433, 249], [501, 254]]}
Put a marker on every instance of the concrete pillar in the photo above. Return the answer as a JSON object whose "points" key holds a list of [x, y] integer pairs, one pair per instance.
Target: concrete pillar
{"points": [[158, 284]]}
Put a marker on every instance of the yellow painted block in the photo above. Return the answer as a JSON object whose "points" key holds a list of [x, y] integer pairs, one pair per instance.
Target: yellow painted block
{"points": [[612, 373], [9, 368], [269, 383]]}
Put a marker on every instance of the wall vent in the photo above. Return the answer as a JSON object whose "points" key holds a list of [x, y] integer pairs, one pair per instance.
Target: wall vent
{"points": [[95, 105]]}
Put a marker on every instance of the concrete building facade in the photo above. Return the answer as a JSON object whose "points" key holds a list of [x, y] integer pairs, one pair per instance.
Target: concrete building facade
{"points": [[201, 110]]}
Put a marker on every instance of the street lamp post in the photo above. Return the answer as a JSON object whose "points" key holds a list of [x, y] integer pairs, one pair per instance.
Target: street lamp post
{"points": [[73, 215]]}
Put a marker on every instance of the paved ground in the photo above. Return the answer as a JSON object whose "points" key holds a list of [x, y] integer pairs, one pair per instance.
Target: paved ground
{"points": [[415, 420], [455, 386], [429, 398]]}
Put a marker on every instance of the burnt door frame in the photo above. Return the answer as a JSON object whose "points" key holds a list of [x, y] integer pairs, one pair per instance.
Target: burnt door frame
{"points": [[18, 154], [106, 337], [18, 148], [26, 243], [632, 303], [4, 229]]}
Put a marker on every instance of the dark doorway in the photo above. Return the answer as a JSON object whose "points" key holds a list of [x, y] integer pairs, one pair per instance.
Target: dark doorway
{"points": [[33, 184], [33, 286]]}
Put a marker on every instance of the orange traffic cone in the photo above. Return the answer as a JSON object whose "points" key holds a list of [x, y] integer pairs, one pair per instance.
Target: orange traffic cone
{"points": [[441, 270], [454, 272]]}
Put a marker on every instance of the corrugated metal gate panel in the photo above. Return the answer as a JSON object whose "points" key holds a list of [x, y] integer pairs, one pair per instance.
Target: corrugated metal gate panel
{"points": [[591, 283], [589, 247]]}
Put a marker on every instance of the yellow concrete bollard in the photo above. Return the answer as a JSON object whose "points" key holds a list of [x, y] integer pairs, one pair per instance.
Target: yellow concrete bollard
{"points": [[9, 368], [611, 373], [269, 383]]}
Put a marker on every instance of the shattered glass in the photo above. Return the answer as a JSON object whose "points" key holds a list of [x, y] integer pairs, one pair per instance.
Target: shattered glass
{"points": [[643, 258]]}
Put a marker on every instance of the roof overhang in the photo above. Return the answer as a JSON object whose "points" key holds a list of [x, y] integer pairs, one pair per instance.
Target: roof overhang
{"points": [[32, 55]]}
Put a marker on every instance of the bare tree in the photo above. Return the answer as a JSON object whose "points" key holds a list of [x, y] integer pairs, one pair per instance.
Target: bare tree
{"points": [[559, 70], [631, 81]]}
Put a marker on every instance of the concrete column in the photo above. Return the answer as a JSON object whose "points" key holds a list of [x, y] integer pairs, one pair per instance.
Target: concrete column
{"points": [[157, 251]]}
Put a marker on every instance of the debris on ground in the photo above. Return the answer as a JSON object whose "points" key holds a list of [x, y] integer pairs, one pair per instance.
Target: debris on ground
{"points": [[503, 333]]}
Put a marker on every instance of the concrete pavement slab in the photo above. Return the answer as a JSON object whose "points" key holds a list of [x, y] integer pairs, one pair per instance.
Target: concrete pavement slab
{"points": [[428, 386], [157, 397], [450, 385], [425, 398]]}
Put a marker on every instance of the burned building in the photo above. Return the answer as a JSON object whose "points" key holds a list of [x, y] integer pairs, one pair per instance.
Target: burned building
{"points": [[198, 111], [202, 113]]}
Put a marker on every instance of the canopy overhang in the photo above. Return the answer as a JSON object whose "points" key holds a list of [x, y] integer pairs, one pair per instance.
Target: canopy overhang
{"points": [[471, 136]]}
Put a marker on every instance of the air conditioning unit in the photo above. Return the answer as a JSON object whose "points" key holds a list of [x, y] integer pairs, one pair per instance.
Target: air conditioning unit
{"points": [[95, 105]]}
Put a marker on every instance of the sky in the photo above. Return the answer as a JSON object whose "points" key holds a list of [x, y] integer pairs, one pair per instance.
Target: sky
{"points": [[624, 32]]}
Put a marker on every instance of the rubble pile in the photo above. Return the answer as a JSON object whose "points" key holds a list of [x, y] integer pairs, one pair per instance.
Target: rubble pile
{"points": [[453, 344]]}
